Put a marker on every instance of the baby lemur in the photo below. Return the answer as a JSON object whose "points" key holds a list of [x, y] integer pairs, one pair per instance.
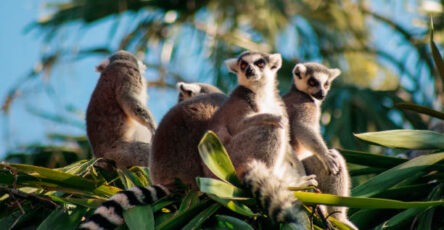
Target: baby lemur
{"points": [[174, 154], [312, 82], [252, 124], [118, 123]]}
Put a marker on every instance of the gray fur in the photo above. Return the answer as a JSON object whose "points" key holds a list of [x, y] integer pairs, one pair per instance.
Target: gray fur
{"points": [[303, 104], [252, 124], [175, 154], [119, 125]]}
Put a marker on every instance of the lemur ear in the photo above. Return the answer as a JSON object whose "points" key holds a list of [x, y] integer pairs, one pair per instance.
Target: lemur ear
{"points": [[299, 71], [102, 65], [232, 65], [188, 88], [275, 61], [334, 73]]}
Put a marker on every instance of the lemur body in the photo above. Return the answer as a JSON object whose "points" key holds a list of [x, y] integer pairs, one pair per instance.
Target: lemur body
{"points": [[252, 125], [312, 82], [118, 123], [174, 156]]}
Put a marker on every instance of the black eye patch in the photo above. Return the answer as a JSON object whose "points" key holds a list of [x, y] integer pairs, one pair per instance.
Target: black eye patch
{"points": [[260, 63], [313, 82], [243, 65]]}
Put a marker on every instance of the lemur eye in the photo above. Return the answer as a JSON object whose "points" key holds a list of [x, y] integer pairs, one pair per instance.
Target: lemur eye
{"points": [[312, 82], [243, 65], [260, 63]]}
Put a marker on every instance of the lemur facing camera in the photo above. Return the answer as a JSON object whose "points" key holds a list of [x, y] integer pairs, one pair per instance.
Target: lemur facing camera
{"points": [[174, 154], [252, 124], [312, 82], [118, 123]]}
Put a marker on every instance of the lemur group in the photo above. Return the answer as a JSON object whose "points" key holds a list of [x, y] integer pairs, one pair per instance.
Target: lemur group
{"points": [[273, 141]]}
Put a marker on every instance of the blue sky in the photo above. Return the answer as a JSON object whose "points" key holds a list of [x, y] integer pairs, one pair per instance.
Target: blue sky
{"points": [[65, 93]]}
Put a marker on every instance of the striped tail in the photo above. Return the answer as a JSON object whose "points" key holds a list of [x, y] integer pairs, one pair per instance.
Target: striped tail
{"points": [[273, 195], [109, 215]]}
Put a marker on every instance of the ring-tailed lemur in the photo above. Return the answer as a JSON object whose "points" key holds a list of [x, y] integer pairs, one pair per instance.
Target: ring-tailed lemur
{"points": [[312, 82], [174, 154], [118, 123], [252, 124]]}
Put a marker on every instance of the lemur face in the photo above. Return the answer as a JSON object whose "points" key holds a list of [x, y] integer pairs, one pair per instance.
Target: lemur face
{"points": [[189, 90], [314, 79], [252, 67]]}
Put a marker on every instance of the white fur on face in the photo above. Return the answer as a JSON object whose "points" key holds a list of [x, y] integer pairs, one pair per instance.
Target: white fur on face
{"points": [[142, 67], [265, 75], [195, 88], [91, 226], [303, 86]]}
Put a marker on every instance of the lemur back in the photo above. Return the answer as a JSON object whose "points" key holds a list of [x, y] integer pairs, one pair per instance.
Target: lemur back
{"points": [[119, 125], [312, 82], [252, 125], [175, 154]]}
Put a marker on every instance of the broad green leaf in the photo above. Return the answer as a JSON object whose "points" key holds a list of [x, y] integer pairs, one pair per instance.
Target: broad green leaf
{"points": [[180, 219], [60, 219], [234, 206], [232, 223], [406, 139], [359, 202], [216, 158], [437, 58], [395, 175], [200, 218], [220, 188], [420, 109], [139, 217]]}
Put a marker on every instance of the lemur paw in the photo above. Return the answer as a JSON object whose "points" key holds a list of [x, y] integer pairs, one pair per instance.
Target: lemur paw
{"points": [[309, 180], [333, 165]]}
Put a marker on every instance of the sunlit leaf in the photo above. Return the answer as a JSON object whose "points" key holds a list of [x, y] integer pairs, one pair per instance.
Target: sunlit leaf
{"points": [[216, 158], [407, 139], [360, 202], [220, 188]]}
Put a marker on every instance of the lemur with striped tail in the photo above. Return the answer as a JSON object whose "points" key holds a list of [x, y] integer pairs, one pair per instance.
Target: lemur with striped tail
{"points": [[174, 154], [253, 126]]}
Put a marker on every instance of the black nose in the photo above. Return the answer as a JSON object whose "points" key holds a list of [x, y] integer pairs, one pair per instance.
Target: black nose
{"points": [[319, 95], [249, 71]]}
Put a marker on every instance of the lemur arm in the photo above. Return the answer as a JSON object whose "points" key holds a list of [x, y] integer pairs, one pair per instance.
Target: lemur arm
{"points": [[260, 119], [313, 141], [132, 106]]}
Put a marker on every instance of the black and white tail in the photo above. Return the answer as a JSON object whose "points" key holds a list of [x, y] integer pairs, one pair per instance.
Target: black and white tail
{"points": [[109, 215], [273, 195]]}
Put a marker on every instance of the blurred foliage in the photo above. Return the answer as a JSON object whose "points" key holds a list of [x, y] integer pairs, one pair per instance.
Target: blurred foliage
{"points": [[189, 40]]}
